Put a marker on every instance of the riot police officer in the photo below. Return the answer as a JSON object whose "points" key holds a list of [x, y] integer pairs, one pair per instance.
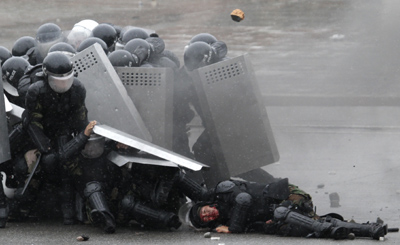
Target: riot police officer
{"points": [[55, 111], [276, 208], [13, 70], [4, 54], [203, 50], [80, 31], [47, 35], [123, 58], [107, 33], [22, 45], [197, 54], [90, 41]]}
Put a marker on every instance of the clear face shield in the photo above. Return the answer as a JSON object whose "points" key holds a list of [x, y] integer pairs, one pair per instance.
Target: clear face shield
{"points": [[77, 35], [61, 84], [94, 148], [80, 32], [119, 46]]}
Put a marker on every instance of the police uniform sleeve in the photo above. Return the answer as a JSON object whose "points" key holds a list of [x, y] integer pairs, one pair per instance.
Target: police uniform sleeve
{"points": [[32, 118], [229, 192], [79, 118]]}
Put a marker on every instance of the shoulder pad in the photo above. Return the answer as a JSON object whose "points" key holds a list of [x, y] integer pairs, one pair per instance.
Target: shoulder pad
{"points": [[244, 198], [36, 87], [34, 90], [225, 186], [32, 69], [78, 89]]}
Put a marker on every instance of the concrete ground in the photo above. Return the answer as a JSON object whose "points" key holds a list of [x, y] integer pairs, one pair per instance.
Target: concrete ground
{"points": [[328, 71]]}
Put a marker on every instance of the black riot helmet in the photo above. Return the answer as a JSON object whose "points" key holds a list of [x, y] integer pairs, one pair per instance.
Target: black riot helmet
{"points": [[22, 45], [105, 32], [203, 37], [90, 41], [194, 216], [58, 69], [13, 69], [123, 58], [48, 32], [139, 47], [4, 54], [157, 44], [221, 49], [172, 56], [199, 54], [63, 47], [118, 29], [133, 33]]}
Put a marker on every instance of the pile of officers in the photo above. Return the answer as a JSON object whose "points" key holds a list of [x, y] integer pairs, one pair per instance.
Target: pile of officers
{"points": [[59, 167]]}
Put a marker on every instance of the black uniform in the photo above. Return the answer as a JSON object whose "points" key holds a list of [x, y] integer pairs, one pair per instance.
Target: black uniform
{"points": [[50, 114], [52, 119], [246, 206]]}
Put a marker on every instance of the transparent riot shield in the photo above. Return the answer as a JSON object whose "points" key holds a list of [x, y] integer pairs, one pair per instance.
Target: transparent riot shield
{"points": [[5, 154], [106, 98], [237, 120], [151, 90]]}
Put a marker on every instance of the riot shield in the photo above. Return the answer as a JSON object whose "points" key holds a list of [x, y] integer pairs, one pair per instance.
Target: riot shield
{"points": [[151, 90], [235, 117], [5, 153], [152, 149], [106, 98], [122, 159]]}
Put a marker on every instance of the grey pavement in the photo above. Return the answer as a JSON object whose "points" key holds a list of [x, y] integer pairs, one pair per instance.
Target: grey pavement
{"points": [[329, 73]]}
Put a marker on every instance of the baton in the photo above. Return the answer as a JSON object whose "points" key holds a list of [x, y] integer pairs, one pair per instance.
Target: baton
{"points": [[31, 174]]}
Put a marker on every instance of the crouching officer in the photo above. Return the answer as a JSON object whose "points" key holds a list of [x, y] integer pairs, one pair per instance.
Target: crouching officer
{"points": [[55, 112]]}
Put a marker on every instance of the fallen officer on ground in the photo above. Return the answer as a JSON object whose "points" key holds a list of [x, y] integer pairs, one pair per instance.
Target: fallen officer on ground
{"points": [[278, 208]]}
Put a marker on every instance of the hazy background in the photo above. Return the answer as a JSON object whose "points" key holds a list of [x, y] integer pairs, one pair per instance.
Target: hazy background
{"points": [[328, 71]]}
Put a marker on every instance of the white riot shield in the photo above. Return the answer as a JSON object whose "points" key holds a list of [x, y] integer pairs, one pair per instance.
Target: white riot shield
{"points": [[236, 118], [151, 90], [152, 149], [5, 154], [123, 159], [106, 98]]}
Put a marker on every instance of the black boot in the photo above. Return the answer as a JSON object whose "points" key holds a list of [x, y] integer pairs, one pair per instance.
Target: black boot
{"points": [[373, 230], [191, 188], [20, 174], [148, 216], [100, 212], [67, 202], [315, 227]]}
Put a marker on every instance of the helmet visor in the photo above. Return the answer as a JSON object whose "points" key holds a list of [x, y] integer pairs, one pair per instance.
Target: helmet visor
{"points": [[10, 88], [61, 84], [119, 46]]}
